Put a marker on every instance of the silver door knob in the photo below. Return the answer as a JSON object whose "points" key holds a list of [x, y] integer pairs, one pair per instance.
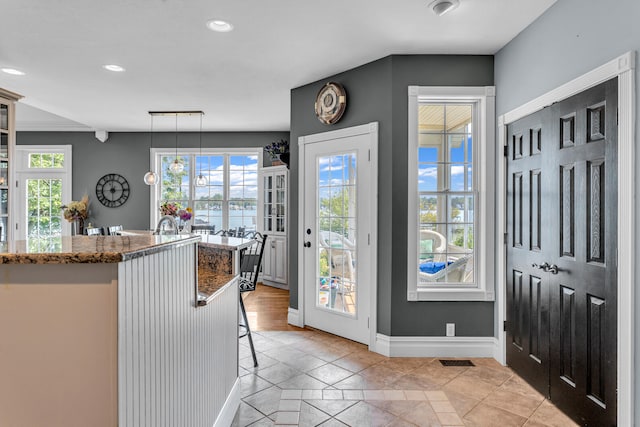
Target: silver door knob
{"points": [[544, 266]]}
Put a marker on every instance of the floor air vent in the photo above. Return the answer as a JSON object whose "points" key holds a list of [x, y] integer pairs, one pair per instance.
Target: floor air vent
{"points": [[456, 362]]}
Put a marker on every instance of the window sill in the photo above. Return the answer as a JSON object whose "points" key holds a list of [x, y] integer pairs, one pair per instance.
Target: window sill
{"points": [[448, 294]]}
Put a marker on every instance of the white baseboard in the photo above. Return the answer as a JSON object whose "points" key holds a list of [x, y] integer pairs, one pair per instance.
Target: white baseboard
{"points": [[436, 346], [293, 318], [231, 405]]}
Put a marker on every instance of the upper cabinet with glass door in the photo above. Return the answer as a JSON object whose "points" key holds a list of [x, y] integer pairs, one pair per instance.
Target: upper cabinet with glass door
{"points": [[274, 205], [7, 142]]}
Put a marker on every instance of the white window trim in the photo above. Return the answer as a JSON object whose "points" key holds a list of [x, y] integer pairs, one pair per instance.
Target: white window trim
{"points": [[484, 288], [156, 165], [22, 169]]}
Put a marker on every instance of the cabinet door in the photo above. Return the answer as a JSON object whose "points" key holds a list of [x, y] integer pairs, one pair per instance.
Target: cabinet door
{"points": [[279, 251], [280, 204], [267, 204], [267, 261]]}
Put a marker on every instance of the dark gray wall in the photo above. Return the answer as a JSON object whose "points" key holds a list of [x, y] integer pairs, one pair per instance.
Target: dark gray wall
{"points": [[378, 92], [570, 39], [128, 155]]}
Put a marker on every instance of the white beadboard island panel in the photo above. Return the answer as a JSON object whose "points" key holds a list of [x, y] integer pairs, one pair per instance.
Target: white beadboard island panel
{"points": [[177, 363]]}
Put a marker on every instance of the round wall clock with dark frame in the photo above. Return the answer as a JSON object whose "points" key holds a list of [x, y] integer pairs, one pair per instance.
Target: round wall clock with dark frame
{"points": [[112, 190], [331, 102]]}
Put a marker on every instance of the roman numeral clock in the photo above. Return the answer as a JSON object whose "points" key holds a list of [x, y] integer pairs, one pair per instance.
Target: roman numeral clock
{"points": [[112, 190]]}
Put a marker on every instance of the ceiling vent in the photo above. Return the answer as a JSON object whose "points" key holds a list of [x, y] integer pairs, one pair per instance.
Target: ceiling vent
{"points": [[440, 7]]}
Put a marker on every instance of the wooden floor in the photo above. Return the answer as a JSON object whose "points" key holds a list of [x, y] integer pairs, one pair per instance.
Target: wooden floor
{"points": [[267, 309]]}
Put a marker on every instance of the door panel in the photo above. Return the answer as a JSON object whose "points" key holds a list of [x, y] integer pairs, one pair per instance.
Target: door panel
{"points": [[337, 271], [583, 364], [527, 287], [561, 278]]}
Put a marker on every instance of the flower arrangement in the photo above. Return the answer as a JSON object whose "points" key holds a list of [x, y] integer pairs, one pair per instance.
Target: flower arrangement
{"points": [[278, 147], [185, 214], [74, 211], [170, 208]]}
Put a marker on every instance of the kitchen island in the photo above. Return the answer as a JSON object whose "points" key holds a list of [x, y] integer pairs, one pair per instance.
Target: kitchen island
{"points": [[111, 330]]}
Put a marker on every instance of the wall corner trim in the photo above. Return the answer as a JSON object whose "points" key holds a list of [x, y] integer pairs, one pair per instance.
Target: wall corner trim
{"points": [[293, 318], [436, 346], [230, 407]]}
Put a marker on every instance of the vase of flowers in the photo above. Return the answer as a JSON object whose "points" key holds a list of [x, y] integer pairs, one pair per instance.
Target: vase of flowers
{"points": [[279, 152], [184, 216], [170, 208], [76, 213]]}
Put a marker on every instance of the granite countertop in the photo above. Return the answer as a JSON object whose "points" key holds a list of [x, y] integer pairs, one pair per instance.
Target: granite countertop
{"points": [[88, 249], [229, 243], [210, 282]]}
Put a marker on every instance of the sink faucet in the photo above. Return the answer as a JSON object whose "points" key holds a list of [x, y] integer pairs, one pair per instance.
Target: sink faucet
{"points": [[172, 222]]}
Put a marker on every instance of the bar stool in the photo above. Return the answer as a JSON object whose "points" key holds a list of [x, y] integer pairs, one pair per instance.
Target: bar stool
{"points": [[250, 263]]}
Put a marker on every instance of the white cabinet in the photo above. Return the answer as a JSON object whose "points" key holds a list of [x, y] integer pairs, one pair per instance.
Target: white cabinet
{"points": [[272, 218], [7, 144]]}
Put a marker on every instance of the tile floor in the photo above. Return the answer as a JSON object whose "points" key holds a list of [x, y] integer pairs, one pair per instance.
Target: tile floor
{"points": [[311, 378]]}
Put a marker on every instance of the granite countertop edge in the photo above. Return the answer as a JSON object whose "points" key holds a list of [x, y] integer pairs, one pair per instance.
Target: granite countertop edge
{"points": [[85, 256]]}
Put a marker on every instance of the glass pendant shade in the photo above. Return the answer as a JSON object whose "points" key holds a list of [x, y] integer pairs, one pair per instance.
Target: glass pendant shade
{"points": [[201, 181], [150, 178], [176, 166]]}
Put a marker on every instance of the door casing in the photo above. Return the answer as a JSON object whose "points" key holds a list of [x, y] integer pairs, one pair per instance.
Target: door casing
{"points": [[623, 68], [370, 129]]}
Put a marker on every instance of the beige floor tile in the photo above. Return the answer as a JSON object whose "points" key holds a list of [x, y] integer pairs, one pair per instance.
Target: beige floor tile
{"points": [[551, 416], [413, 382], [394, 395], [381, 373], [246, 415], [422, 414], [450, 419], [332, 394], [353, 394], [485, 416], [406, 364], [396, 407], [287, 418], [463, 404], [265, 401], [289, 406], [311, 394], [442, 406], [330, 373], [332, 407], [436, 395], [497, 377], [357, 382], [515, 384], [364, 415], [415, 395], [471, 387], [311, 416], [513, 402], [374, 395], [291, 394]]}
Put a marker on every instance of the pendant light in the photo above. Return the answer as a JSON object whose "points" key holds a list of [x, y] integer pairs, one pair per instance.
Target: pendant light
{"points": [[151, 178], [201, 180], [176, 166]]}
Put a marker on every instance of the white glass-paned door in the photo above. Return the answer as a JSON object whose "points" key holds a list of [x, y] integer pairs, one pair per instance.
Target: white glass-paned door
{"points": [[337, 225]]}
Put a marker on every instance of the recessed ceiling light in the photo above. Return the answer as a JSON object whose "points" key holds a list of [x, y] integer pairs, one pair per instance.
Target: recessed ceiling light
{"points": [[13, 71], [440, 7], [219, 26], [115, 68]]}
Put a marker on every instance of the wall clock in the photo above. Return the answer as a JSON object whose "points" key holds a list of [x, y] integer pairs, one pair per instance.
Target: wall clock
{"points": [[331, 102], [112, 190]]}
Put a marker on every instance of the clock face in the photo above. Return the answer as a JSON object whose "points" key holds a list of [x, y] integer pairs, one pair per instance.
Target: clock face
{"points": [[112, 190], [331, 102]]}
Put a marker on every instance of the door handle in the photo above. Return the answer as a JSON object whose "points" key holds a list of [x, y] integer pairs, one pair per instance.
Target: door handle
{"points": [[553, 269], [544, 266], [307, 244]]}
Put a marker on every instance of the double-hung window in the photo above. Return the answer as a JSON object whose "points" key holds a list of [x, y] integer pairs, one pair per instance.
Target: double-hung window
{"points": [[228, 200], [450, 165]]}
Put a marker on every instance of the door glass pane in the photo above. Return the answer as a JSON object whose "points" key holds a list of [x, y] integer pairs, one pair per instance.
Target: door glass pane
{"points": [[336, 223], [4, 116], [44, 216]]}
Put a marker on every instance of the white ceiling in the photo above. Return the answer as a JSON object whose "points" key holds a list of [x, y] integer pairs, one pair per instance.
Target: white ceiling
{"points": [[242, 79]]}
